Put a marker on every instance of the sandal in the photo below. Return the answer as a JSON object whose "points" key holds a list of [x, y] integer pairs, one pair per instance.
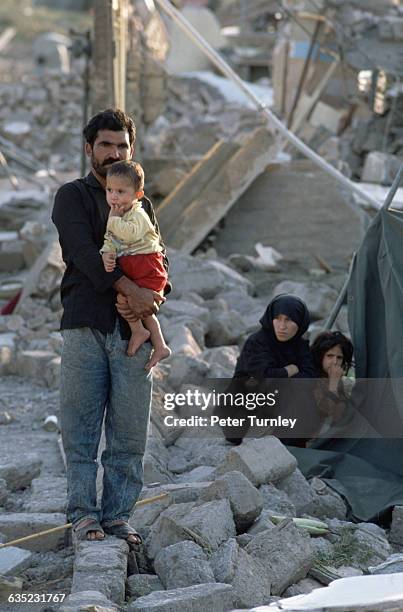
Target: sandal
{"points": [[122, 530], [83, 527]]}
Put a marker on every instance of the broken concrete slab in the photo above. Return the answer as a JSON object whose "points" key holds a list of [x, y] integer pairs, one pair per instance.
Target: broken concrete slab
{"points": [[139, 585], [167, 528], [182, 565], [248, 576], [225, 329], [88, 600], [19, 473], [201, 473], [48, 494], [4, 492], [298, 491], [245, 500], [19, 524], [13, 560], [319, 298], [277, 501], [103, 564], [286, 552], [396, 528], [197, 598], [33, 364], [205, 278], [212, 522], [260, 460]]}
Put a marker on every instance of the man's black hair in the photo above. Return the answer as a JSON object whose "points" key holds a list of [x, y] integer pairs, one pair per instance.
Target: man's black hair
{"points": [[112, 119], [328, 340]]}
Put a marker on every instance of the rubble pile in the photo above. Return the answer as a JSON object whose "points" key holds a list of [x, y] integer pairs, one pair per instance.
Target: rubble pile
{"points": [[42, 114]]}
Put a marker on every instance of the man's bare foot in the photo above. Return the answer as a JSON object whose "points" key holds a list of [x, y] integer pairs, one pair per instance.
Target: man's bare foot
{"points": [[158, 355], [83, 530], [136, 340]]}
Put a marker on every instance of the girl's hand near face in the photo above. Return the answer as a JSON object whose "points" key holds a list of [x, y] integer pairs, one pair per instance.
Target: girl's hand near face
{"points": [[292, 369], [116, 211], [335, 373]]}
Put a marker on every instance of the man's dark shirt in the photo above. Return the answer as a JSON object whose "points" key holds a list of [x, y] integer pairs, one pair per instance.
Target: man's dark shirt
{"points": [[80, 214]]}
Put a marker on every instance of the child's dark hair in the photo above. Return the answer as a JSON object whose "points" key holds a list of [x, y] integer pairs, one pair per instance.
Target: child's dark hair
{"points": [[328, 340], [128, 169]]}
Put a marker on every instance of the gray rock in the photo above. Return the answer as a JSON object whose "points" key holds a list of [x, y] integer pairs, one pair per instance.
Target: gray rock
{"points": [[298, 491], [396, 528], [202, 473], [182, 565], [248, 576], [48, 494], [225, 329], [178, 460], [13, 560], [392, 565], [102, 564], [177, 308], [83, 599], [187, 369], [222, 360], [260, 460], [245, 500], [139, 585], [327, 503], [359, 545], [155, 470], [203, 452], [213, 521], [167, 528], [19, 473], [318, 297], [197, 598], [33, 364], [20, 524], [261, 524], [303, 587], [181, 340], [206, 278], [276, 501], [8, 348], [4, 492], [286, 552]]}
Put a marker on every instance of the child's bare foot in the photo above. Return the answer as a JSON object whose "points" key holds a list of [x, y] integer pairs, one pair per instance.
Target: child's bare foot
{"points": [[157, 355], [136, 340]]}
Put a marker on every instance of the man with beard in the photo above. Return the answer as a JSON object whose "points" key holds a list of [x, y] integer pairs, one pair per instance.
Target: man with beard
{"points": [[98, 379]]}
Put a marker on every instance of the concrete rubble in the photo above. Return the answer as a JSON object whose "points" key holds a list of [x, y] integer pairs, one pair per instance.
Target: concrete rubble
{"points": [[211, 542]]}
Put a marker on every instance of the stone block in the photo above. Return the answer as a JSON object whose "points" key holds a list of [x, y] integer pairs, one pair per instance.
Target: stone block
{"points": [[206, 278], [396, 528], [186, 369], [33, 364], [181, 340], [261, 460], [202, 473], [245, 500], [8, 343], [225, 329], [222, 360], [139, 585], [167, 529], [298, 491], [182, 565], [317, 296], [286, 552], [212, 521], [248, 576], [12, 255], [48, 494], [4, 492], [261, 524], [276, 501], [328, 503], [88, 600], [20, 524], [19, 473], [178, 308], [52, 373], [103, 565], [197, 598], [13, 560], [380, 168]]}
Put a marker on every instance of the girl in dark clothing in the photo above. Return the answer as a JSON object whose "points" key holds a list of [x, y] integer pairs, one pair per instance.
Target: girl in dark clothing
{"points": [[277, 351]]}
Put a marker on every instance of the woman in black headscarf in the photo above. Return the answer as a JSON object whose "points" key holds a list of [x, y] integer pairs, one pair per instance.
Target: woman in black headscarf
{"points": [[276, 351]]}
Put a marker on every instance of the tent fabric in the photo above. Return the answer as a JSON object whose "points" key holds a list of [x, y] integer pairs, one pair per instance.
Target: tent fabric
{"points": [[368, 472]]}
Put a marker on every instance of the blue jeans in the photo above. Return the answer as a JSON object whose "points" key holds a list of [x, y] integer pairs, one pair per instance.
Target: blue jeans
{"points": [[98, 379]]}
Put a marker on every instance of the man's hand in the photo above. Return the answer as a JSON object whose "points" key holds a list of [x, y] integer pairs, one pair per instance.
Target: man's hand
{"points": [[141, 302], [291, 370], [109, 260]]}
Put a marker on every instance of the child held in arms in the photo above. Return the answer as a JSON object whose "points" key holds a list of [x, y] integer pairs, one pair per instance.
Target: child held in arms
{"points": [[131, 237]]}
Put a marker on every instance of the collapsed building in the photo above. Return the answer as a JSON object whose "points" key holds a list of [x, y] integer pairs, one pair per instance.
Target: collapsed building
{"points": [[245, 216]]}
